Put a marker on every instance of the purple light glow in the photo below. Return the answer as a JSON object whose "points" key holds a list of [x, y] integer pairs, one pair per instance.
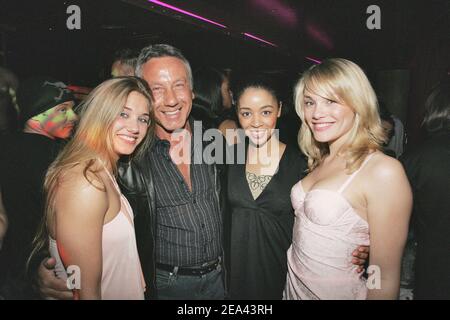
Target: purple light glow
{"points": [[319, 35], [313, 60], [283, 13], [162, 4], [259, 39]]}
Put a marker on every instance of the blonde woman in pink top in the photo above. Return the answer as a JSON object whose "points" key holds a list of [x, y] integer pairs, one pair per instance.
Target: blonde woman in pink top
{"points": [[353, 194], [88, 222]]}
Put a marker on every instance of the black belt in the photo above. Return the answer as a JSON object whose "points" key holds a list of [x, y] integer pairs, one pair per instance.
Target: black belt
{"points": [[190, 271]]}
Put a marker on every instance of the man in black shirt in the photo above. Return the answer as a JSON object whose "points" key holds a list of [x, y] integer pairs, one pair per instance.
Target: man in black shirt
{"points": [[184, 196]]}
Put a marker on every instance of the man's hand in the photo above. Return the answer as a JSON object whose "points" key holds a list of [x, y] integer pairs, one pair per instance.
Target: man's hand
{"points": [[49, 285], [360, 256]]}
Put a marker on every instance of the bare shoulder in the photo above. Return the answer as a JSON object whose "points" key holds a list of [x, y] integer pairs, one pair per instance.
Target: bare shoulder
{"points": [[82, 188], [387, 192], [384, 170]]}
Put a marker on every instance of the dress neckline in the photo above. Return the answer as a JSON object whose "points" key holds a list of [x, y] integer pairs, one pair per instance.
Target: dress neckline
{"points": [[341, 189], [270, 182], [338, 194]]}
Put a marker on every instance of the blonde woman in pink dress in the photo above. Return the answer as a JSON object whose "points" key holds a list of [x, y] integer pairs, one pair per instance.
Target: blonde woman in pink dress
{"points": [[353, 194], [88, 223]]}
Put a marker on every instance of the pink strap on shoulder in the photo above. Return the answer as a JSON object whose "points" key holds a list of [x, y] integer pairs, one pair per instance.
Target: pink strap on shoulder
{"points": [[353, 175]]}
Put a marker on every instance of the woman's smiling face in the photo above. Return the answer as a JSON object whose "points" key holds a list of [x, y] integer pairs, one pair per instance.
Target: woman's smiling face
{"points": [[258, 111]]}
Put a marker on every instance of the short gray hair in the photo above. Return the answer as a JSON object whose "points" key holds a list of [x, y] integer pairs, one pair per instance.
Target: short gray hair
{"points": [[159, 51]]}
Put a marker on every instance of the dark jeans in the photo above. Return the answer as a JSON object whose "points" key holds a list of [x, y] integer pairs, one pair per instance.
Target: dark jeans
{"points": [[172, 286]]}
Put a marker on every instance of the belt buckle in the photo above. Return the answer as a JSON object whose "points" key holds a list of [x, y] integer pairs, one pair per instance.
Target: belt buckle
{"points": [[205, 268], [196, 271], [207, 264], [212, 263], [199, 272]]}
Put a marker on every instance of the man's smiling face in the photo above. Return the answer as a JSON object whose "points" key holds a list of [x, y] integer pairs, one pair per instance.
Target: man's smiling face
{"points": [[168, 80]]}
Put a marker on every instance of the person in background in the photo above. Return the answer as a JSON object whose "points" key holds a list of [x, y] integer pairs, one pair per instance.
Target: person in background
{"points": [[124, 62], [47, 119], [228, 118], [427, 167], [8, 108], [397, 140], [213, 102], [388, 125], [208, 103]]}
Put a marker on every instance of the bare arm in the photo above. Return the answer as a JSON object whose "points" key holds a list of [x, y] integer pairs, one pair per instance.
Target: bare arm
{"points": [[80, 212], [3, 221], [389, 200]]}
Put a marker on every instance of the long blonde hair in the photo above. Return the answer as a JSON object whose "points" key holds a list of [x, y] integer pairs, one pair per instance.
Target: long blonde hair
{"points": [[343, 81], [92, 140]]}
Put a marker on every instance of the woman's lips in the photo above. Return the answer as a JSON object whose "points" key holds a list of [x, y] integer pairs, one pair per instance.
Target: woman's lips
{"points": [[257, 134], [323, 126]]}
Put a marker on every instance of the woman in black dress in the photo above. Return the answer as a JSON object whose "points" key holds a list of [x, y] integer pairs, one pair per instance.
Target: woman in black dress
{"points": [[259, 195]]}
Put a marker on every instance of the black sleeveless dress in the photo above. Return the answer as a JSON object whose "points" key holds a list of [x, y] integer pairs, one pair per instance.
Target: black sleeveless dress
{"points": [[261, 229]]}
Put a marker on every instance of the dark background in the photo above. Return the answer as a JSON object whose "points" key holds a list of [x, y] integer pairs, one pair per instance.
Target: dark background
{"points": [[403, 60]]}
